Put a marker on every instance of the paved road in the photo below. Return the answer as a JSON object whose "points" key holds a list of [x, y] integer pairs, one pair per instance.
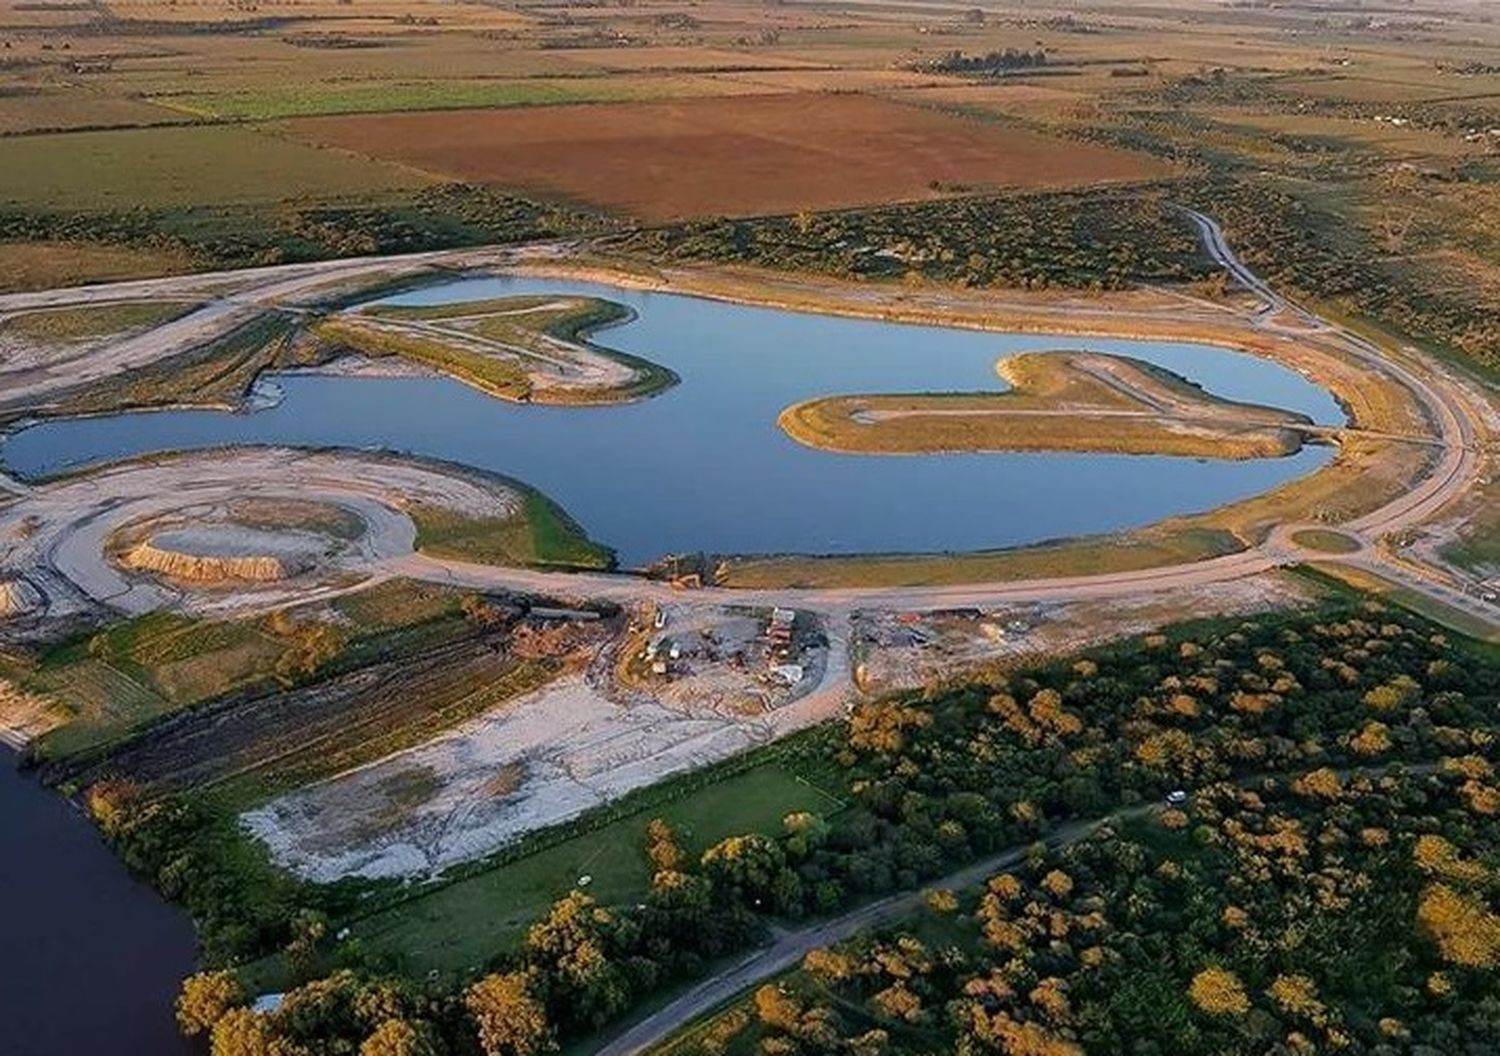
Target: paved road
{"points": [[788, 948]]}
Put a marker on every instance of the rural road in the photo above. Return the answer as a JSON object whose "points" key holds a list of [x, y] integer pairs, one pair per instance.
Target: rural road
{"points": [[789, 947], [1456, 428]]}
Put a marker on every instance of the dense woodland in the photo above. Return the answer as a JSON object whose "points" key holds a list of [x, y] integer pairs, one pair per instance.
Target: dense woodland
{"points": [[1287, 863], [1086, 239], [1320, 914], [445, 216]]}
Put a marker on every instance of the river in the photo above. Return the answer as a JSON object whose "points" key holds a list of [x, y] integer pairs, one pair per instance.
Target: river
{"points": [[92, 956], [704, 466]]}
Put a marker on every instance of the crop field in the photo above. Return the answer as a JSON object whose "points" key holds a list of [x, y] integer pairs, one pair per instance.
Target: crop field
{"points": [[754, 155], [389, 12], [50, 110], [373, 97], [1031, 100], [165, 167]]}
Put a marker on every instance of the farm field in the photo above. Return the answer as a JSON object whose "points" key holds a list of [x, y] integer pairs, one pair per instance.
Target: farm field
{"points": [[44, 264], [176, 167], [374, 97], [754, 155]]}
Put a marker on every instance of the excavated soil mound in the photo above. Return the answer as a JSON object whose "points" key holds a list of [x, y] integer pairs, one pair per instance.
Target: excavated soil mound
{"points": [[18, 598], [225, 554]]}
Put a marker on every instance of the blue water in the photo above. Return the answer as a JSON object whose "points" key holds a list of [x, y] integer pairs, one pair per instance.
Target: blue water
{"points": [[704, 465]]}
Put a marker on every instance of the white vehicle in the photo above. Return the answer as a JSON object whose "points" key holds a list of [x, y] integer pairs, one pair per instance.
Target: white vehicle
{"points": [[660, 619], [1176, 798]]}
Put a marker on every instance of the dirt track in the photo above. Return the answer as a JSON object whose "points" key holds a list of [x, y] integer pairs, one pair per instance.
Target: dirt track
{"points": [[1456, 425]]}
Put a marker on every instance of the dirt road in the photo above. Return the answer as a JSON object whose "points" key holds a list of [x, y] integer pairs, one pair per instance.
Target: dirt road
{"points": [[1456, 425]]}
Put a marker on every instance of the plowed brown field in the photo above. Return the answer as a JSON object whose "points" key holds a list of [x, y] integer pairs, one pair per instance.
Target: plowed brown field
{"points": [[740, 156]]}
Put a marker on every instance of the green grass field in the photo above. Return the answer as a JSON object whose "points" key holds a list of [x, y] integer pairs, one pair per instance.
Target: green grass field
{"points": [[1326, 541], [1342, 577], [202, 165], [1082, 557], [120, 679], [306, 100], [543, 535], [465, 923]]}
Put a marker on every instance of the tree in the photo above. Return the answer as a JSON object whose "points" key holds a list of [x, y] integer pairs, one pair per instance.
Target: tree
{"points": [[880, 726], [1465, 931], [571, 947], [662, 849], [205, 998], [241, 1032], [510, 1021], [1219, 992], [745, 867], [401, 1037]]}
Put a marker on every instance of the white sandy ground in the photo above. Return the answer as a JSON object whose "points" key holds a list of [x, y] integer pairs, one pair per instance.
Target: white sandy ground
{"points": [[575, 750], [947, 646], [57, 536]]}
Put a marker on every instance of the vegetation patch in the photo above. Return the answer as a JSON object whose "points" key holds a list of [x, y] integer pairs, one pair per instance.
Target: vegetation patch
{"points": [[463, 923], [1090, 556], [524, 349], [67, 325], [175, 167], [383, 97], [217, 373], [542, 534], [1329, 542], [1058, 401], [1269, 726], [1084, 239], [46, 264]]}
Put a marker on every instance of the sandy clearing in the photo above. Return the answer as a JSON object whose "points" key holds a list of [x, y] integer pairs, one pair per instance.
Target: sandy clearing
{"points": [[895, 655], [58, 534], [574, 750]]}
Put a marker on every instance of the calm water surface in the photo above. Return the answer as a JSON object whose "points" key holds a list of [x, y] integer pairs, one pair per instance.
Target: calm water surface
{"points": [[705, 467], [92, 956]]}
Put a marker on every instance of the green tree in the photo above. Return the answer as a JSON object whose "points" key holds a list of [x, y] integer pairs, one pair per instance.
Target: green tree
{"points": [[204, 998], [510, 1021], [401, 1037], [241, 1032]]}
